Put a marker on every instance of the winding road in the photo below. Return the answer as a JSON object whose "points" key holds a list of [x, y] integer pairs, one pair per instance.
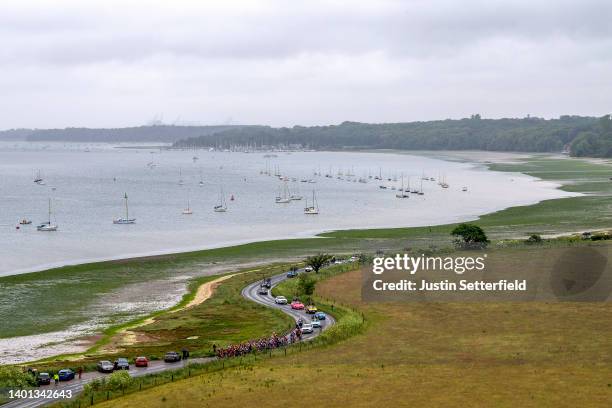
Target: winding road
{"points": [[249, 292]]}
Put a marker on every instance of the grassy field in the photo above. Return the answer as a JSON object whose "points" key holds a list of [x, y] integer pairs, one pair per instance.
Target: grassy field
{"points": [[425, 354], [58, 298], [225, 318]]}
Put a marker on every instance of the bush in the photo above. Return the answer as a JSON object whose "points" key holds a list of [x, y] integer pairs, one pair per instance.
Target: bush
{"points": [[13, 377], [534, 239], [469, 236]]}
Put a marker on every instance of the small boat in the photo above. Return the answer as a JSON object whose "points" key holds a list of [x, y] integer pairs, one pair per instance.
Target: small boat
{"points": [[382, 187], [221, 205], [402, 194], [201, 183], [126, 219], [187, 211], [38, 179], [314, 208], [47, 226], [25, 221], [181, 182], [283, 197], [464, 189]]}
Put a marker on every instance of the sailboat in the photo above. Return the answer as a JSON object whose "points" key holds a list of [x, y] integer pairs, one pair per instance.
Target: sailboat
{"points": [[284, 198], [181, 182], [38, 179], [47, 226], [314, 208], [201, 183], [187, 211], [295, 196], [420, 192], [127, 219], [221, 205], [403, 194]]}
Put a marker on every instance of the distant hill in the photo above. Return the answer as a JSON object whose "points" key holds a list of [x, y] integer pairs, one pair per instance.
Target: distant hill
{"points": [[582, 136], [158, 133]]}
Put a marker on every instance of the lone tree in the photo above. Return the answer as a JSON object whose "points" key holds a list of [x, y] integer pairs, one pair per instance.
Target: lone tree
{"points": [[306, 285], [316, 262], [469, 236]]}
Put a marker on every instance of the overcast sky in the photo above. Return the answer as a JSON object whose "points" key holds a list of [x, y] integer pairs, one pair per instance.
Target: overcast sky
{"points": [[122, 63]]}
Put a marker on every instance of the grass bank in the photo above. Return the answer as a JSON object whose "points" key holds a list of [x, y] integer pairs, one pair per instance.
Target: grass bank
{"points": [[425, 354]]}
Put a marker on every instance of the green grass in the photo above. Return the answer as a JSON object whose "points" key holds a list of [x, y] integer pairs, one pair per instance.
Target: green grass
{"points": [[223, 319], [425, 354]]}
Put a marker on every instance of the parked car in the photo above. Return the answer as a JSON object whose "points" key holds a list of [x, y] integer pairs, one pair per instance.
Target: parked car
{"points": [[297, 305], [172, 357], [308, 269], [316, 324], [43, 379], [320, 316], [262, 291], [141, 362], [66, 374], [122, 364], [280, 300], [311, 309], [307, 328], [105, 366], [292, 274]]}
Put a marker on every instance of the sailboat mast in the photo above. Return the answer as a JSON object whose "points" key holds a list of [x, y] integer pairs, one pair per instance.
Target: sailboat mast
{"points": [[49, 211], [127, 217]]}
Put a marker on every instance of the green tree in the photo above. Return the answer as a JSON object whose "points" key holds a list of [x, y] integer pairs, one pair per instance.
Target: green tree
{"points": [[469, 236], [119, 380], [13, 377], [306, 285], [534, 239], [316, 262]]}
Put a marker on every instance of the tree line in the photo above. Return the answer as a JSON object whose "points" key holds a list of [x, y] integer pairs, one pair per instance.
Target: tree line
{"points": [[578, 135]]}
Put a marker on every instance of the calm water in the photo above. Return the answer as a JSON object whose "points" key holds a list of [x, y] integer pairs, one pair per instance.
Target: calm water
{"points": [[87, 187]]}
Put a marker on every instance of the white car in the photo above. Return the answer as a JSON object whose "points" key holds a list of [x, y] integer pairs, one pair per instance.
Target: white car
{"points": [[280, 300], [316, 324], [308, 269], [307, 328]]}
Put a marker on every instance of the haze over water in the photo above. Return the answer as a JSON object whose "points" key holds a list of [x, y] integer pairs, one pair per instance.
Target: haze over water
{"points": [[87, 188]]}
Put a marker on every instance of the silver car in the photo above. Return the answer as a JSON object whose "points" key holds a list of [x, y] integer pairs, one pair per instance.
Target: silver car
{"points": [[307, 328], [280, 300]]}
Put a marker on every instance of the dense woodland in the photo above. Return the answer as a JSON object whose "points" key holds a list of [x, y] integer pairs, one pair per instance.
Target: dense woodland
{"points": [[583, 136], [156, 133]]}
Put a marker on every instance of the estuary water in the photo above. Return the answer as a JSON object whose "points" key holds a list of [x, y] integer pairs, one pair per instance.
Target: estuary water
{"points": [[87, 183]]}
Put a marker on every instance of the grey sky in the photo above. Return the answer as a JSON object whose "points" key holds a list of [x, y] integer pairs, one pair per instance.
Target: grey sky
{"points": [[120, 63]]}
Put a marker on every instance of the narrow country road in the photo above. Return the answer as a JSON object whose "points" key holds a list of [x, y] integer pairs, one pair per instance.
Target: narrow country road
{"points": [[249, 292]]}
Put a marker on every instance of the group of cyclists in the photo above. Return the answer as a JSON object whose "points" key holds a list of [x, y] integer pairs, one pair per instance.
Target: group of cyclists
{"points": [[259, 345]]}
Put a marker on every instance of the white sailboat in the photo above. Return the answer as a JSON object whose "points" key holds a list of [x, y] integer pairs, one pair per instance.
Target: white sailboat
{"points": [[47, 226], [201, 183], [403, 193], [126, 219], [221, 204], [181, 182], [296, 196], [284, 197], [314, 208], [187, 211]]}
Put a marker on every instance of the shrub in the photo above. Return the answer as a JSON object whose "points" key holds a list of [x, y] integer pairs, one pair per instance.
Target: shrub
{"points": [[534, 239], [13, 377]]}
